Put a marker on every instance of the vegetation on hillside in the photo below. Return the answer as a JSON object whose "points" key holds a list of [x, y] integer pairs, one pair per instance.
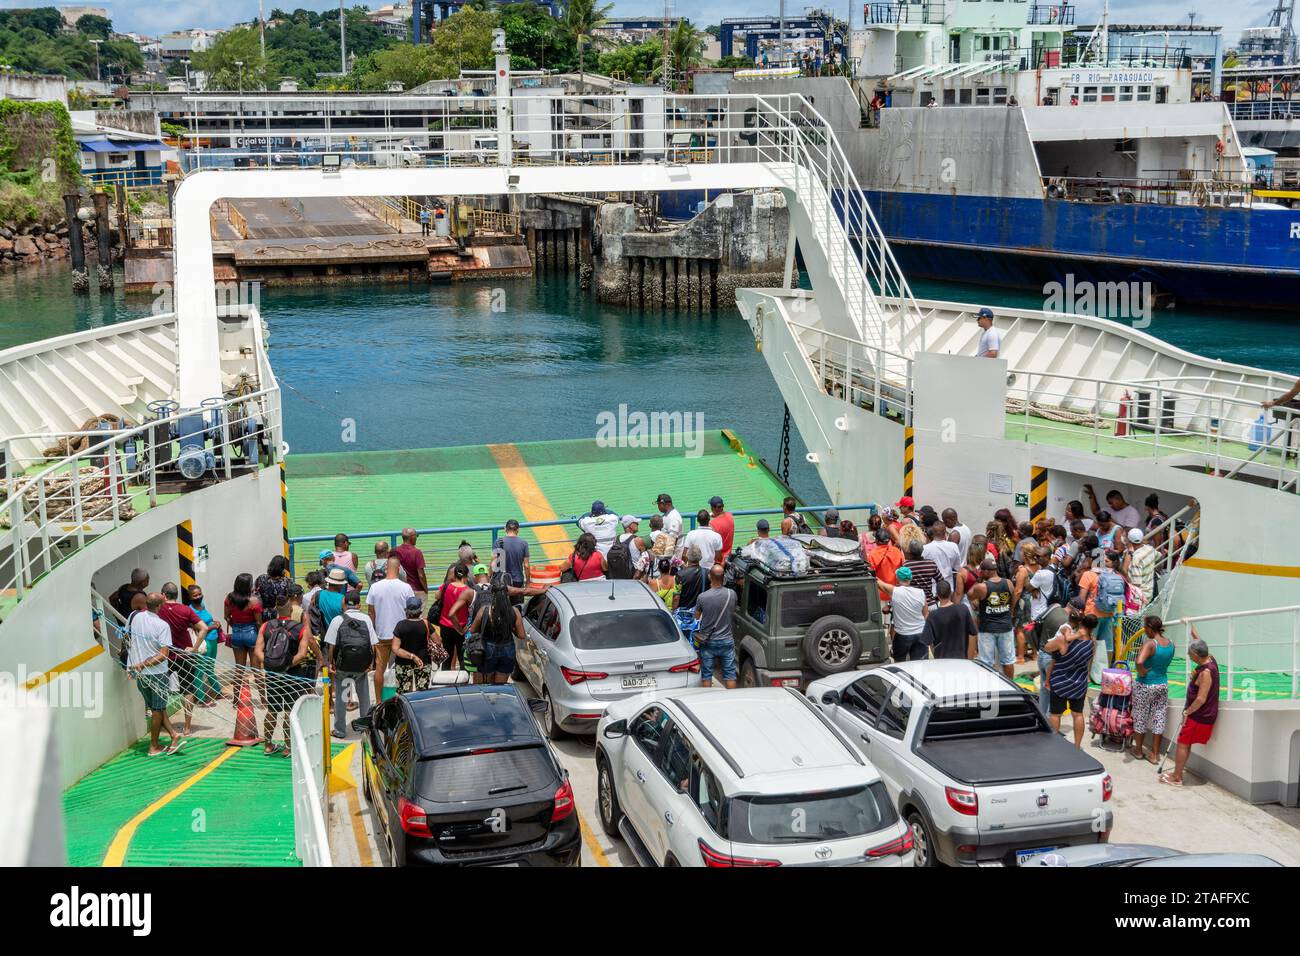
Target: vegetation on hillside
{"points": [[38, 161]]}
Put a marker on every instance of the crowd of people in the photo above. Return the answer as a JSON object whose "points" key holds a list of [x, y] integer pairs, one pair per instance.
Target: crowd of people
{"points": [[1056, 588]]}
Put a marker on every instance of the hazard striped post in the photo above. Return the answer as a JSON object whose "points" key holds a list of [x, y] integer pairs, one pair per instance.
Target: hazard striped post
{"points": [[1037, 493], [185, 554], [284, 511], [909, 450]]}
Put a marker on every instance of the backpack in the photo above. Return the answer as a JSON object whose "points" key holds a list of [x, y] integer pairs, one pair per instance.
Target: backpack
{"points": [[1061, 589], [619, 560], [473, 652], [434, 617], [1110, 592], [352, 651], [279, 644], [800, 524]]}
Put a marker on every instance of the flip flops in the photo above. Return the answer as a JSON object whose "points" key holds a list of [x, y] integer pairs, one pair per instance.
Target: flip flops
{"points": [[176, 746], [1165, 778]]}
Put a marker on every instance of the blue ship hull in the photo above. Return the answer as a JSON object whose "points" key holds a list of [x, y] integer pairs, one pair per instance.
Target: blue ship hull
{"points": [[1190, 254]]}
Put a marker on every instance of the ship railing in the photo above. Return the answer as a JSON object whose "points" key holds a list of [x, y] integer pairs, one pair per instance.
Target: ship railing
{"points": [[867, 376], [558, 534], [50, 514], [1177, 191], [1051, 14], [1258, 650], [1232, 437], [1264, 109], [308, 744]]}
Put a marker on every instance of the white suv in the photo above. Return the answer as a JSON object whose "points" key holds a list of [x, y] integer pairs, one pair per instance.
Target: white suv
{"points": [[755, 777]]}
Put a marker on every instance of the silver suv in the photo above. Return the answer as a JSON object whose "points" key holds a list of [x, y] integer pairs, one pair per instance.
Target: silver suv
{"points": [[590, 643]]}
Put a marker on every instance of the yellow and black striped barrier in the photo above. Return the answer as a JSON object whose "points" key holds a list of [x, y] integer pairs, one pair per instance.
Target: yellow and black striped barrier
{"points": [[284, 510], [185, 553], [1037, 493], [909, 451]]}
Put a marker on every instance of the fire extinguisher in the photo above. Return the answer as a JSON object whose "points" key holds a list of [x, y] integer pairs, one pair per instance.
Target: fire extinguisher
{"points": [[1121, 422]]}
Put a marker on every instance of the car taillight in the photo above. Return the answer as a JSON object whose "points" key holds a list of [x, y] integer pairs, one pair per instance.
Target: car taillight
{"points": [[900, 847], [963, 801], [692, 666], [577, 677], [713, 858], [413, 819], [563, 803], [785, 682], [1107, 788]]}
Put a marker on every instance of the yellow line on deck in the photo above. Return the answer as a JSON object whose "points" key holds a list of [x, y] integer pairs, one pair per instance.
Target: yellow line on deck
{"points": [[593, 845], [531, 499], [36, 680], [117, 849], [1237, 567], [359, 834]]}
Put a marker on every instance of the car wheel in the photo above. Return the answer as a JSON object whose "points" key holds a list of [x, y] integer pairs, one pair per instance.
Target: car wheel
{"points": [[832, 645], [607, 798], [553, 729], [921, 839], [748, 673]]}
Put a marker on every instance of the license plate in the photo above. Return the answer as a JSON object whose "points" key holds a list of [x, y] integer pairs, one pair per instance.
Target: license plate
{"points": [[1025, 856], [638, 682]]}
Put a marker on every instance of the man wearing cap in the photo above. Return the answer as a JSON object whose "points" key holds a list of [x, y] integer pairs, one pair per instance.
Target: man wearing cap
{"points": [[762, 528], [386, 603], [329, 599], [1140, 565], [637, 547], [355, 619], [990, 338], [722, 521], [601, 525], [831, 523], [910, 608], [328, 564], [672, 517]]}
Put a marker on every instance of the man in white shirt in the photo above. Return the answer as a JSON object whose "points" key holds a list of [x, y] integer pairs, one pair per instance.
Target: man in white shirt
{"points": [[386, 603], [601, 525], [672, 517], [705, 538], [944, 553], [1121, 512], [354, 618], [910, 607], [146, 664], [990, 338]]}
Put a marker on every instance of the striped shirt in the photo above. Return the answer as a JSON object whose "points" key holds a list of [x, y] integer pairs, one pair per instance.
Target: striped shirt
{"points": [[1070, 670], [924, 574]]}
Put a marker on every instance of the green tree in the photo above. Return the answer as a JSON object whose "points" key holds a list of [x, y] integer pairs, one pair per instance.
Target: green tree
{"points": [[464, 42], [581, 19], [635, 62], [95, 26], [535, 39], [686, 47], [403, 63], [222, 61]]}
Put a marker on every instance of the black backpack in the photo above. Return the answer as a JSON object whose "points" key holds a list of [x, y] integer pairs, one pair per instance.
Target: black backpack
{"points": [[800, 524], [352, 651], [280, 644], [1061, 589], [619, 561]]}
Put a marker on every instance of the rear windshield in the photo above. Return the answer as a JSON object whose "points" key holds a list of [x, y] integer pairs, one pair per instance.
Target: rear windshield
{"points": [[988, 718], [804, 818], [628, 628], [478, 776], [800, 606]]}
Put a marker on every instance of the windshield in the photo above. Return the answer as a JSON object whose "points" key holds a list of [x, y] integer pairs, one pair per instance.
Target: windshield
{"points": [[803, 818], [611, 630], [479, 776]]}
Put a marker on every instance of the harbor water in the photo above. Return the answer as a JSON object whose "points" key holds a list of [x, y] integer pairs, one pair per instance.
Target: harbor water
{"points": [[418, 365]]}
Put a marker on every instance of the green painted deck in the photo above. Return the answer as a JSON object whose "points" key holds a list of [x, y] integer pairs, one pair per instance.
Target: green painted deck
{"points": [[466, 486]]}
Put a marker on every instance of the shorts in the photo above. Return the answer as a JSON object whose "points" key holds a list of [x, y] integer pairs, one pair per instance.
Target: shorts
{"points": [[717, 652], [997, 648], [1195, 732], [1150, 708], [452, 640], [1057, 704], [185, 668], [243, 635], [153, 688], [498, 658]]}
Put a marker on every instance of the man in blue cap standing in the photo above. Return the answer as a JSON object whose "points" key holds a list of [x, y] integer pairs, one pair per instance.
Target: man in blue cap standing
{"points": [[601, 525], [990, 338]]}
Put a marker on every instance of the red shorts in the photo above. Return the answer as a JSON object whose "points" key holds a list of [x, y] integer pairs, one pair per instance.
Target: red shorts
{"points": [[1194, 732]]}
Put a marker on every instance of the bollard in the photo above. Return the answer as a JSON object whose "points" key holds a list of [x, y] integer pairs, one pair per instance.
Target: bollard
{"points": [[104, 231], [76, 248]]}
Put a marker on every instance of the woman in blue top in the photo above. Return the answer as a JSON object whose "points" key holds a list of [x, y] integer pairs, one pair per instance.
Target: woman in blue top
{"points": [[1067, 676], [207, 690], [1151, 691]]}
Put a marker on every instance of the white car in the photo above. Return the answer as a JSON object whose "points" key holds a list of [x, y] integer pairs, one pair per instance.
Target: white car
{"points": [[741, 778], [973, 767]]}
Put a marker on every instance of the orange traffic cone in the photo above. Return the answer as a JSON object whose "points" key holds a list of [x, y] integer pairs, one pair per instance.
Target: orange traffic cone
{"points": [[245, 720], [1121, 421]]}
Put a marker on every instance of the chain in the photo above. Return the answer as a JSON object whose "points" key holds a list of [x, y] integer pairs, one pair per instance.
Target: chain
{"points": [[785, 446]]}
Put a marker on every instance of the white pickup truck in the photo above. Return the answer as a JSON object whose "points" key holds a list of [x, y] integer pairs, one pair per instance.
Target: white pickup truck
{"points": [[975, 770]]}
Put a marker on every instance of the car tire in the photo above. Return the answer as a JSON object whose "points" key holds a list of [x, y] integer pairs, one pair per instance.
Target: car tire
{"points": [[748, 673], [553, 730], [922, 839], [607, 806], [832, 645]]}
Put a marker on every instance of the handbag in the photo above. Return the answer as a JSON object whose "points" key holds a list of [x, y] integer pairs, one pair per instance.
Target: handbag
{"points": [[437, 653]]}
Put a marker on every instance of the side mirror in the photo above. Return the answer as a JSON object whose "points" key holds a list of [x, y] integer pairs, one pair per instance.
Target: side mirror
{"points": [[361, 724], [538, 705], [831, 698], [615, 730]]}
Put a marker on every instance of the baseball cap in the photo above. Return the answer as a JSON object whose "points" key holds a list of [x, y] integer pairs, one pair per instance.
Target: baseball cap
{"points": [[762, 524], [480, 569], [325, 553], [664, 499], [985, 313], [1135, 535], [905, 502], [715, 502], [903, 574], [630, 519], [413, 604], [988, 564], [598, 507]]}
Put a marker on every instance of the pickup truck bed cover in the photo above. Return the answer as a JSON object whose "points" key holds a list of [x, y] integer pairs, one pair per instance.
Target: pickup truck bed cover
{"points": [[1008, 758]]}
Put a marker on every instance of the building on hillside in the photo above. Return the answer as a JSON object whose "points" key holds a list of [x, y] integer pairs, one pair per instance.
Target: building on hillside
{"points": [[182, 43], [120, 147], [72, 14], [33, 87]]}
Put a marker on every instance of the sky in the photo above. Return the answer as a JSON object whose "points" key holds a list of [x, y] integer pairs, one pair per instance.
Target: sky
{"points": [[151, 18]]}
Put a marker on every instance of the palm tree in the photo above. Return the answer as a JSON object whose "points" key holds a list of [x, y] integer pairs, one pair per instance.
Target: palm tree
{"points": [[581, 19], [685, 46]]}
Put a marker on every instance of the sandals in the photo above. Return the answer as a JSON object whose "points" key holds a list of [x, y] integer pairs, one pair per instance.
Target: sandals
{"points": [[176, 746], [1165, 778]]}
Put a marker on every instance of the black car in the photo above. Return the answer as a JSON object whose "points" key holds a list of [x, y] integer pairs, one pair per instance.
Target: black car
{"points": [[461, 776]]}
